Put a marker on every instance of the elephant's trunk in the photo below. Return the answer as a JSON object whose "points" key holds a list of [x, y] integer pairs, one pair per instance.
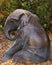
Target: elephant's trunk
{"points": [[7, 33]]}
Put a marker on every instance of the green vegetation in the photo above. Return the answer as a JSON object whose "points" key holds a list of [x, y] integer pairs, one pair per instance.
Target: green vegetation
{"points": [[40, 7]]}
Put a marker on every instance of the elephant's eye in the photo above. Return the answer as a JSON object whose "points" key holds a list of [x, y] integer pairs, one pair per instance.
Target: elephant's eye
{"points": [[14, 22]]}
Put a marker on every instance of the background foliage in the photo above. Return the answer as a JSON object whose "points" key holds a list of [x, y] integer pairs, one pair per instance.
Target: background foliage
{"points": [[42, 8]]}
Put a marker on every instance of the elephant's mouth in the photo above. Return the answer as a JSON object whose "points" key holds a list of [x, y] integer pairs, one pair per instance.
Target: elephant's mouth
{"points": [[13, 33]]}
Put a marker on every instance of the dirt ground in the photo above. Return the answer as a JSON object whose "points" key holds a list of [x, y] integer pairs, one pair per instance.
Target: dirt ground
{"points": [[5, 43]]}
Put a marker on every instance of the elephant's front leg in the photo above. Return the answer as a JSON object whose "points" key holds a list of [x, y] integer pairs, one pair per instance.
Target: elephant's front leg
{"points": [[17, 46]]}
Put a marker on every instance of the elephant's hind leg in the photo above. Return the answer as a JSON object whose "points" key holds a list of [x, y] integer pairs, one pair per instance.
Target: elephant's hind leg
{"points": [[25, 56], [22, 56]]}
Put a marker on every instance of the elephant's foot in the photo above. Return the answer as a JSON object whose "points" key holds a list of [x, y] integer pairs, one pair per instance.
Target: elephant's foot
{"points": [[6, 57]]}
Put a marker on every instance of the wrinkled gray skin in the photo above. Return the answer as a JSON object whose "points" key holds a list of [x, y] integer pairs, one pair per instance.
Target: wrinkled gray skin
{"points": [[32, 44]]}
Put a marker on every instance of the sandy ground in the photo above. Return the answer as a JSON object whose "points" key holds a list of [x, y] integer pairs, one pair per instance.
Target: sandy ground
{"points": [[5, 43]]}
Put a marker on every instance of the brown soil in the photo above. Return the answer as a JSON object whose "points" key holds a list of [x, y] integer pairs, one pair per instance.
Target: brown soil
{"points": [[5, 43], [1, 15]]}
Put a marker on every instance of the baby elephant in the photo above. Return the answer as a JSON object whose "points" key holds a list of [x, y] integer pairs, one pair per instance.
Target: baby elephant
{"points": [[32, 43]]}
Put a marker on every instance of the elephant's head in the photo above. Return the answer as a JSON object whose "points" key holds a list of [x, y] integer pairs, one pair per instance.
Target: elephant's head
{"points": [[13, 22], [9, 26]]}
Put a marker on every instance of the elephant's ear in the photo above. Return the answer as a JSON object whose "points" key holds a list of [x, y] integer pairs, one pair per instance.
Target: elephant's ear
{"points": [[24, 20], [34, 20]]}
